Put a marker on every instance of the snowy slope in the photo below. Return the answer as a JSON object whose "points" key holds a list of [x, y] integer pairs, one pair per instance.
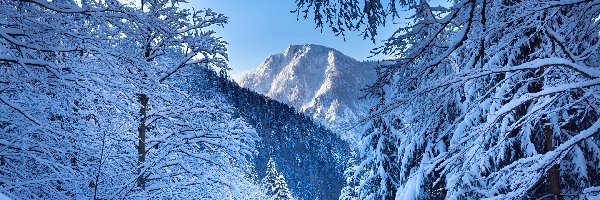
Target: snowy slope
{"points": [[316, 80], [311, 157], [3, 197]]}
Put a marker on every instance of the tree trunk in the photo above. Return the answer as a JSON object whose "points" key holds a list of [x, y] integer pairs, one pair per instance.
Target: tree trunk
{"points": [[553, 177], [97, 178], [554, 173], [141, 180]]}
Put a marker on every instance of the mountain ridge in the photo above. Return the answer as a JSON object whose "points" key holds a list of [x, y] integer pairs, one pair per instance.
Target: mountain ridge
{"points": [[316, 80]]}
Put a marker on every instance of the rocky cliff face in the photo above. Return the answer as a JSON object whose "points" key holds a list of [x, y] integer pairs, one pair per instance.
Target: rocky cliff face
{"points": [[316, 80]]}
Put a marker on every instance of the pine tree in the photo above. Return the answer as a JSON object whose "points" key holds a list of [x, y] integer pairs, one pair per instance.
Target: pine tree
{"points": [[270, 179], [282, 191], [274, 183], [350, 191]]}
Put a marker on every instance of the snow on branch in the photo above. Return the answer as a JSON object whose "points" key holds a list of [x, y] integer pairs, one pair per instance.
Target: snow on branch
{"points": [[521, 175], [4, 33], [23, 61], [20, 110], [181, 65], [67, 8], [514, 103], [536, 64]]}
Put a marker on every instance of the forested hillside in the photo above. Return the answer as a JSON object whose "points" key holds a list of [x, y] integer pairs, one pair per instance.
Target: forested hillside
{"points": [[311, 158]]}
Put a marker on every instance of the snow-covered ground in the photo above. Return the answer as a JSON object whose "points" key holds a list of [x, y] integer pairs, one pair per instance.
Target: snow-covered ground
{"points": [[4, 197]]}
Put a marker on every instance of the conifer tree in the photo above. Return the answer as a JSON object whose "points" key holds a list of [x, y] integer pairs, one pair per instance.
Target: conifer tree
{"points": [[282, 190], [484, 99], [274, 183]]}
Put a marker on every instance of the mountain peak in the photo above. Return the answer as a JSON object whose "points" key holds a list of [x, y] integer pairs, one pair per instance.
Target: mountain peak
{"points": [[312, 48], [317, 80]]}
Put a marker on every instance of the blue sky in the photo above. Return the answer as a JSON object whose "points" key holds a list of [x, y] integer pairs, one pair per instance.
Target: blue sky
{"points": [[259, 28]]}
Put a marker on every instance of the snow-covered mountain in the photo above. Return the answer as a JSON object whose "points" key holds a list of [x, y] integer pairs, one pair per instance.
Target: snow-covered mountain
{"points": [[316, 80]]}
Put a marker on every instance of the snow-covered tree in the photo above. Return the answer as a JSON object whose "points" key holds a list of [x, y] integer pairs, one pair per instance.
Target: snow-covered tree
{"points": [[274, 183], [163, 39], [47, 105], [486, 99], [281, 189], [79, 82], [379, 175], [349, 192]]}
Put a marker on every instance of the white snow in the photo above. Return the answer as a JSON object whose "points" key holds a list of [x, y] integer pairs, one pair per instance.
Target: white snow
{"points": [[4, 197], [319, 81]]}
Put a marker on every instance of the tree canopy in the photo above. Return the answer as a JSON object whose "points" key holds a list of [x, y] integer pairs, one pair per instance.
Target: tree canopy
{"points": [[94, 103], [481, 93]]}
